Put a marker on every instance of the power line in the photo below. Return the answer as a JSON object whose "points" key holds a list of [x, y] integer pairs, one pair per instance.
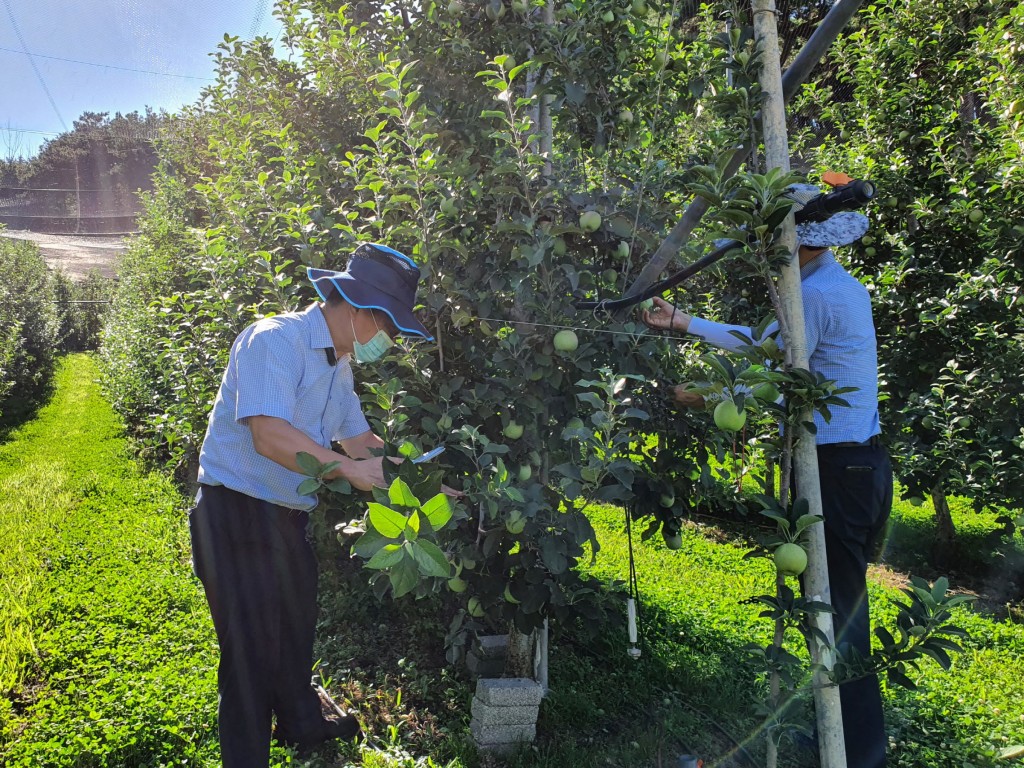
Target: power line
{"points": [[107, 66], [39, 75], [102, 132], [50, 189], [29, 130]]}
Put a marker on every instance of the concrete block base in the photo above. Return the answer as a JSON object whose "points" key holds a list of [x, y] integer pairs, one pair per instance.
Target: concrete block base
{"points": [[505, 713]]}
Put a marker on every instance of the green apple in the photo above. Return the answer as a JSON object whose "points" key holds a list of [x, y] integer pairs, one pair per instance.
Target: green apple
{"points": [[766, 392], [622, 250], [915, 501], [608, 17], [590, 221], [667, 499], [558, 247], [474, 607], [525, 473], [513, 431], [790, 559], [457, 585], [646, 304], [639, 7], [610, 276], [975, 215], [566, 340], [510, 62], [515, 525], [672, 540], [728, 417], [625, 116], [494, 10], [870, 251], [508, 596]]}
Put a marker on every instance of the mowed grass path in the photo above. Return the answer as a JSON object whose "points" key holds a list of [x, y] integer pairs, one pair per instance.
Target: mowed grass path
{"points": [[107, 655]]}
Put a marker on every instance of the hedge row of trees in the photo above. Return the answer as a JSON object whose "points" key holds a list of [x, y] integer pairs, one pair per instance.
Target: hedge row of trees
{"points": [[937, 121], [39, 319]]}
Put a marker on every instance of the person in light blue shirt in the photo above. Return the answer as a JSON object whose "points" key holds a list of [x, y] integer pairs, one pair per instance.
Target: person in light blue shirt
{"points": [[288, 388], [856, 474]]}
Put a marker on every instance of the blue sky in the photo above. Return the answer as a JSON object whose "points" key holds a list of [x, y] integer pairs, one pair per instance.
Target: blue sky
{"points": [[103, 39]]}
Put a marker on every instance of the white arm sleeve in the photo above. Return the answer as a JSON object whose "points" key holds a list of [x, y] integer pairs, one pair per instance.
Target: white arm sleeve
{"points": [[719, 334]]}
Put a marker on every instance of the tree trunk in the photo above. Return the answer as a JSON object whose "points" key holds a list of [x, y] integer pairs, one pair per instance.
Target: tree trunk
{"points": [[519, 657], [945, 532], [832, 750]]}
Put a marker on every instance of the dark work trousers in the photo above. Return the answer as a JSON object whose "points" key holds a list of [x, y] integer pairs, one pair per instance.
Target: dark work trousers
{"points": [[260, 574], [856, 495]]}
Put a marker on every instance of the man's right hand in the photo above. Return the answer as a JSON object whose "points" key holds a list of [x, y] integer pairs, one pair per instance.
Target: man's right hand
{"points": [[682, 397], [664, 317]]}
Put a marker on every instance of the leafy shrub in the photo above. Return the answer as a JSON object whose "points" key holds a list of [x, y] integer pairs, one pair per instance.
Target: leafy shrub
{"points": [[81, 308], [28, 327]]}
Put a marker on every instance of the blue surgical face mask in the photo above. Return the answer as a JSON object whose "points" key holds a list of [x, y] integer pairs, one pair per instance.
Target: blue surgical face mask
{"points": [[374, 349]]}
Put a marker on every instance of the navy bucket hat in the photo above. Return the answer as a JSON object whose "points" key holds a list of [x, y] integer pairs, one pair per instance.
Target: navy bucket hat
{"points": [[376, 277]]}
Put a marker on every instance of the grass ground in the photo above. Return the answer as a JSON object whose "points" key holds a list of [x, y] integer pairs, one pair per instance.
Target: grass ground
{"points": [[109, 659], [108, 655]]}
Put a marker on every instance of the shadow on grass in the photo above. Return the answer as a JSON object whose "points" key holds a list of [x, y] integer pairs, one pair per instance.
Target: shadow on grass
{"points": [[988, 558], [988, 555], [17, 411], [673, 700]]}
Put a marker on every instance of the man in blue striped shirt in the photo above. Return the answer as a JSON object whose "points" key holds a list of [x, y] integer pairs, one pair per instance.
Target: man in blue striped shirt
{"points": [[288, 388], [856, 475]]}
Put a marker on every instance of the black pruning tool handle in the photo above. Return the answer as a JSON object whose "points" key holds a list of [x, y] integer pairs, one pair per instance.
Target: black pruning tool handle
{"points": [[848, 197]]}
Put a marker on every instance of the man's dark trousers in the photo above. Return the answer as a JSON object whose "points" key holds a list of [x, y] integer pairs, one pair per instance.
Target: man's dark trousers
{"points": [[856, 494], [260, 576]]}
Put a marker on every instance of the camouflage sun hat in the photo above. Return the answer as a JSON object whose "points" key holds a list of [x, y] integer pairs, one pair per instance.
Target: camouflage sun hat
{"points": [[839, 229]]}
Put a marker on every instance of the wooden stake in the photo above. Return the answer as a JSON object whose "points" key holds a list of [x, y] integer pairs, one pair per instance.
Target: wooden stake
{"points": [[816, 586]]}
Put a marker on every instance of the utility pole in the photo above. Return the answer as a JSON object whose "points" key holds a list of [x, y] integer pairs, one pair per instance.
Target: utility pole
{"points": [[773, 118]]}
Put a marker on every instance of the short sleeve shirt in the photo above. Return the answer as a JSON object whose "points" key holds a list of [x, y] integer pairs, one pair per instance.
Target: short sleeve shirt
{"points": [[278, 367]]}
